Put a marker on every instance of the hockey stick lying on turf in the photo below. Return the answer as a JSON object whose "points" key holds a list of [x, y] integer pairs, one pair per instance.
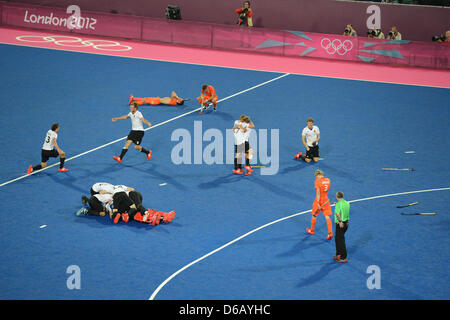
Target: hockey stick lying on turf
{"points": [[407, 205], [397, 169], [418, 213]]}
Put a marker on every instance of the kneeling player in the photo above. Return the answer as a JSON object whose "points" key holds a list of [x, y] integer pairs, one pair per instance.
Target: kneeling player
{"points": [[310, 139], [207, 95]]}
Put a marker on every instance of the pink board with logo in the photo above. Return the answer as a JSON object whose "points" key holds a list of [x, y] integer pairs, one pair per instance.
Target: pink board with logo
{"points": [[278, 42]]}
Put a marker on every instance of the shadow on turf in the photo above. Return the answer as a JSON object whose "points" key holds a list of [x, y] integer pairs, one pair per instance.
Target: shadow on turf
{"points": [[229, 178], [319, 275], [306, 243], [275, 188]]}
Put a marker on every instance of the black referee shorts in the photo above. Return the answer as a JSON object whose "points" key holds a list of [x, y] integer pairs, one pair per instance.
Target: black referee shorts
{"points": [[313, 152], [136, 136], [46, 154]]}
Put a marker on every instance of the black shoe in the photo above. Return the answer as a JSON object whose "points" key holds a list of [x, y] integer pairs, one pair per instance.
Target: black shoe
{"points": [[84, 200]]}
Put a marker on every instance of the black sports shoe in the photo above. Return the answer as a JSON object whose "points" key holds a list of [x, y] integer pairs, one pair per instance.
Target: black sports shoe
{"points": [[84, 200]]}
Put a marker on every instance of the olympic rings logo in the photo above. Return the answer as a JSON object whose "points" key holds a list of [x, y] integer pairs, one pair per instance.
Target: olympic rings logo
{"points": [[68, 41], [336, 46]]}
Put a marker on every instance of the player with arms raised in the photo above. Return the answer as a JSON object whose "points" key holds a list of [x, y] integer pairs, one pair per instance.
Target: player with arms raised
{"points": [[321, 203], [136, 134]]}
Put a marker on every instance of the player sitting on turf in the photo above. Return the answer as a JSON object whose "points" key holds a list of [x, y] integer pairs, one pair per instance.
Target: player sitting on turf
{"points": [[173, 100]]}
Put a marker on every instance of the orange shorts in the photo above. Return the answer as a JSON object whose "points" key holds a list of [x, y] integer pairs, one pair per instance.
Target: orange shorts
{"points": [[326, 209], [153, 101], [208, 97]]}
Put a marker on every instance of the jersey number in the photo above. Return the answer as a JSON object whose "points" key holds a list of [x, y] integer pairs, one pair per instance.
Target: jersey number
{"points": [[47, 140]]}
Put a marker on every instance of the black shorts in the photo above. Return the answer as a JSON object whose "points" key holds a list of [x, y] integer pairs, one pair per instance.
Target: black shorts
{"points": [[313, 152], [136, 136], [244, 146], [136, 197], [95, 204], [46, 154], [122, 202], [93, 192]]}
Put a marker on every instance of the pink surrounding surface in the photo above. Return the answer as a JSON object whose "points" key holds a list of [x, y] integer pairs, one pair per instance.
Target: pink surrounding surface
{"points": [[223, 58], [229, 37]]}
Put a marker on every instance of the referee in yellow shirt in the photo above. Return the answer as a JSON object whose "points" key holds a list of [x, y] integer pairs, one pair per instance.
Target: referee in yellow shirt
{"points": [[341, 217]]}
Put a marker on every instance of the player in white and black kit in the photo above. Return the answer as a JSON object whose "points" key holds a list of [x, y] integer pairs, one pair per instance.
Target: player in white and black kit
{"points": [[248, 149], [137, 132], [241, 146], [100, 200], [310, 139], [102, 187], [50, 149], [128, 206], [99, 205]]}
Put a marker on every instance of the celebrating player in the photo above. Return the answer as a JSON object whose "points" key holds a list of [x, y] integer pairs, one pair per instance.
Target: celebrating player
{"points": [[137, 132], [173, 100], [321, 203], [248, 150], [128, 205], [239, 129], [208, 95], [48, 151], [98, 204], [311, 134]]}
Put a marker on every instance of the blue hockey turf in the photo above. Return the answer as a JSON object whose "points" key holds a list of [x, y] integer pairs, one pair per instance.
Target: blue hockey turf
{"points": [[365, 127]]}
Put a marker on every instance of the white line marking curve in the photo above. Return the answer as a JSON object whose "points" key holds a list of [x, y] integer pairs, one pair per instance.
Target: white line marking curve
{"points": [[152, 297]]}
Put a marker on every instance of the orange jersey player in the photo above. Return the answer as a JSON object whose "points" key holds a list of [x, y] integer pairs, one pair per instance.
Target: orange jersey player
{"points": [[208, 94], [173, 100], [321, 203]]}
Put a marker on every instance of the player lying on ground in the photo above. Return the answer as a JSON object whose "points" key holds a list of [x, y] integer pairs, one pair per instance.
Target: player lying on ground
{"points": [[101, 199], [126, 208], [173, 100], [120, 201], [50, 149]]}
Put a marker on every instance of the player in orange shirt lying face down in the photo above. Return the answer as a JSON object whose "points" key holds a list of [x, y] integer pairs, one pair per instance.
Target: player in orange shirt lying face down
{"points": [[173, 100]]}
